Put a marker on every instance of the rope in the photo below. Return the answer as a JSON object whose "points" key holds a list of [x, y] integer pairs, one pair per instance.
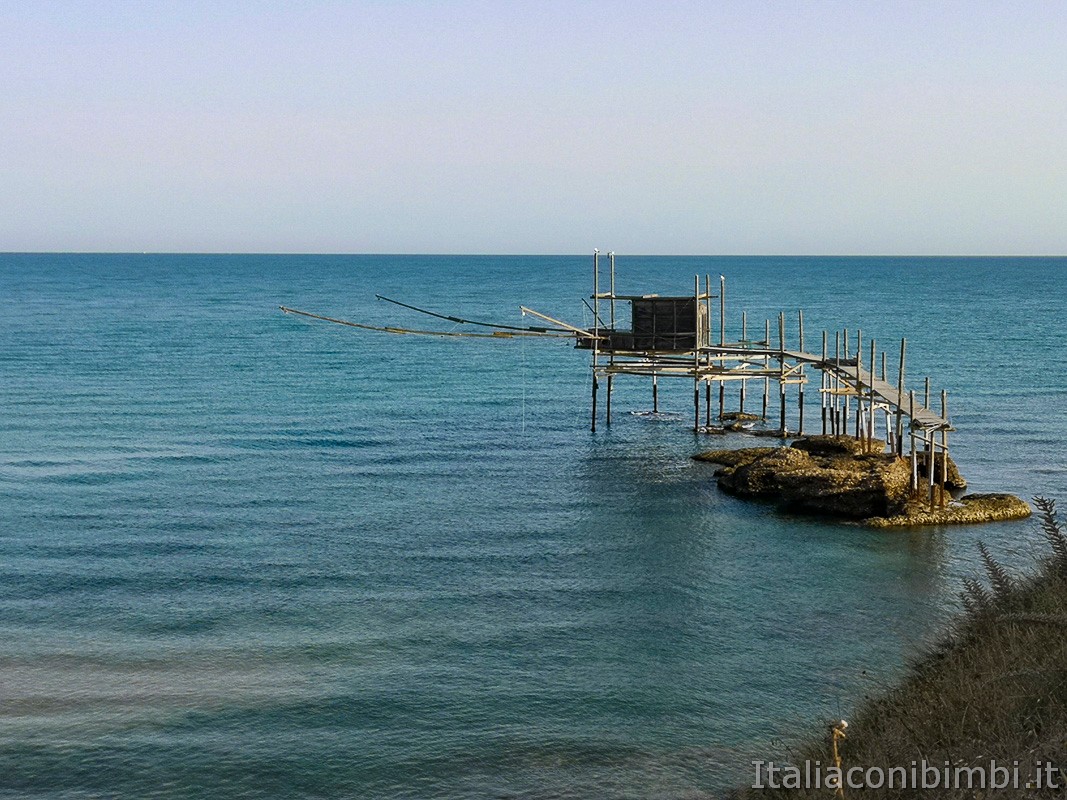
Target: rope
{"points": [[495, 335], [461, 320]]}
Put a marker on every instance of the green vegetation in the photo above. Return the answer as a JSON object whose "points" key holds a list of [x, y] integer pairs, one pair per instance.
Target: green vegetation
{"points": [[994, 688]]}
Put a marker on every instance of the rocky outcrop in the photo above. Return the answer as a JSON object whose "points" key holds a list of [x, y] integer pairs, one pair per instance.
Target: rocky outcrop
{"points": [[832, 476], [970, 508]]}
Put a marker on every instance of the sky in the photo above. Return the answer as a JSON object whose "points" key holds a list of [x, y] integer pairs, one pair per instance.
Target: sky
{"points": [[727, 127]]}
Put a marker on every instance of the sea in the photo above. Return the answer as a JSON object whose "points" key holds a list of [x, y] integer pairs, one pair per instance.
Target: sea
{"points": [[245, 554]]}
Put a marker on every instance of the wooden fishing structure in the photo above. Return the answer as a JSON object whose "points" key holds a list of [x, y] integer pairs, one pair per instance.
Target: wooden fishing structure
{"points": [[684, 336]]}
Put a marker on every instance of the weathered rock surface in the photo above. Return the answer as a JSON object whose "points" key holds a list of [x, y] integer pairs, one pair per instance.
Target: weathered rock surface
{"points": [[832, 476], [830, 445], [970, 508]]}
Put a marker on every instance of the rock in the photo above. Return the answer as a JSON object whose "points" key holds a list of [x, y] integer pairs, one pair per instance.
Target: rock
{"points": [[831, 476], [829, 445], [739, 416], [739, 427], [970, 509], [764, 476], [731, 458], [713, 430], [874, 486]]}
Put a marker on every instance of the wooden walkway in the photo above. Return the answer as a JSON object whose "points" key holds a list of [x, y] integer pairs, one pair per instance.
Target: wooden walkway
{"points": [[860, 381]]}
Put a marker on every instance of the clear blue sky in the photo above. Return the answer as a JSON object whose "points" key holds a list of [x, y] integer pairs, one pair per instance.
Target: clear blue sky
{"points": [[713, 127]]}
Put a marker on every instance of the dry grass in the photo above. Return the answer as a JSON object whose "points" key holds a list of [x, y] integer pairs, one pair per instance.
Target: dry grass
{"points": [[995, 688]]}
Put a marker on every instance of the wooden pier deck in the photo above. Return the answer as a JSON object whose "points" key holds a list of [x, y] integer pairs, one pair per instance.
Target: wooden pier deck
{"points": [[857, 377]]}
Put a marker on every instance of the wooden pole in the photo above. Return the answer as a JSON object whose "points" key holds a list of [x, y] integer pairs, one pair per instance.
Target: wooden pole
{"points": [[707, 388], [744, 339], [911, 432], [822, 384], [944, 446], [596, 327], [607, 404], [859, 381], [696, 355], [766, 364], [696, 404], [611, 258], [611, 351], [930, 466], [926, 394], [593, 426], [870, 406], [900, 401], [781, 367], [846, 399], [707, 305], [655, 396], [836, 418], [722, 309], [800, 386], [888, 426]]}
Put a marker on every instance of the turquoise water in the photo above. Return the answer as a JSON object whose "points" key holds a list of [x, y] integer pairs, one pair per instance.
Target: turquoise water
{"points": [[244, 554]]}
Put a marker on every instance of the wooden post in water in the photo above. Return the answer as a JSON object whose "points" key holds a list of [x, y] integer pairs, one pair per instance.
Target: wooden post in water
{"points": [[611, 259], [722, 309], [930, 466], [696, 354], [870, 411], [900, 401], [596, 327], [655, 396], [888, 426], [911, 432], [926, 395], [696, 404], [800, 386], [766, 365], [593, 426], [744, 339], [707, 403], [611, 352], [781, 366], [822, 384], [607, 404], [859, 381], [836, 418], [944, 446], [846, 398]]}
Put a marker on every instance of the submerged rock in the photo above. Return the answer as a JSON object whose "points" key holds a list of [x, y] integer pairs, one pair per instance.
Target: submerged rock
{"points": [[740, 416], [832, 476]]}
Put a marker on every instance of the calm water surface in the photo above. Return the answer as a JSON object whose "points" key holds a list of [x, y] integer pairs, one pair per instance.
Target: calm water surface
{"points": [[248, 555]]}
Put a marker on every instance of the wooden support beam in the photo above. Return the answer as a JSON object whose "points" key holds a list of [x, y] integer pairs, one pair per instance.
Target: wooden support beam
{"points": [[696, 406], [900, 401], [607, 404]]}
